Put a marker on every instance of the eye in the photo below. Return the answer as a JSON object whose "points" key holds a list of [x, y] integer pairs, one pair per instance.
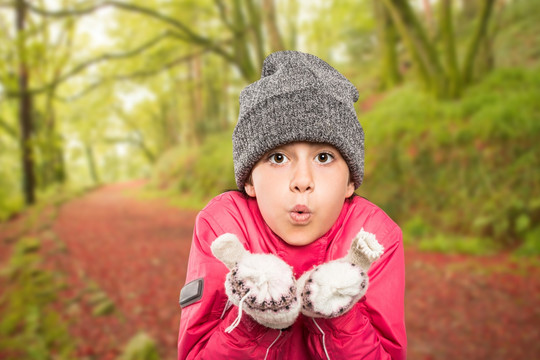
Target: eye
{"points": [[277, 158], [324, 158]]}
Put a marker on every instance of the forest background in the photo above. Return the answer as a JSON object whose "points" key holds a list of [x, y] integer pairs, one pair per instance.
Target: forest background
{"points": [[94, 92], [100, 92]]}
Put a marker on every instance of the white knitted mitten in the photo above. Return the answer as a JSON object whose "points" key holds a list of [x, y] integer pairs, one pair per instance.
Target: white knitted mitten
{"points": [[262, 285], [332, 289]]}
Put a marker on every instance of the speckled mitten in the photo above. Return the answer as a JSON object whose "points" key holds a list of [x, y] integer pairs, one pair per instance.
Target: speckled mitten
{"points": [[262, 285], [332, 289]]}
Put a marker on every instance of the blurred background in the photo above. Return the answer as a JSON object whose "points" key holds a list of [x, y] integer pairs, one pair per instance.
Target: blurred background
{"points": [[145, 93]]}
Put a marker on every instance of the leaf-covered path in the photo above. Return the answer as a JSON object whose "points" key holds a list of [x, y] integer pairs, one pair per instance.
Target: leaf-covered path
{"points": [[135, 252], [124, 259]]}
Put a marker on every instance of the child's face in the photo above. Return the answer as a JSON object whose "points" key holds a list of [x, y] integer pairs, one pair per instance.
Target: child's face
{"points": [[300, 189]]}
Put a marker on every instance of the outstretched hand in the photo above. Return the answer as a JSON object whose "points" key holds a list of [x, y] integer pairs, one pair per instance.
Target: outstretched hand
{"points": [[333, 288], [262, 285]]}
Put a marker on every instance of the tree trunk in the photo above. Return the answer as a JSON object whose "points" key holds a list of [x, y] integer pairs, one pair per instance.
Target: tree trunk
{"points": [[469, 9], [425, 48], [92, 168], [429, 16], [226, 103], [25, 110], [167, 117], [255, 25], [476, 41], [270, 21], [447, 32], [198, 111], [402, 24], [192, 116], [54, 153], [422, 50], [486, 59], [292, 21], [240, 44], [214, 95], [387, 36]]}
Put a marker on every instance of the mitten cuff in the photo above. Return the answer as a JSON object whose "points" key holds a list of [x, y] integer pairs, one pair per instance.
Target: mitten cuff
{"points": [[365, 249]]}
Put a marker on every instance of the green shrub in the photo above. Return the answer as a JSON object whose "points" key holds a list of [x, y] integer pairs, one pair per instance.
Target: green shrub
{"points": [[531, 245], [198, 173], [9, 203], [29, 326], [451, 244], [467, 167], [140, 347]]}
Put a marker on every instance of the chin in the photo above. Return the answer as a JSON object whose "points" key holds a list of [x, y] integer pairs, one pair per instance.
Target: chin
{"points": [[299, 240]]}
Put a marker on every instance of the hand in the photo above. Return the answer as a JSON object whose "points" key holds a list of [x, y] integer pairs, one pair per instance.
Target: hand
{"points": [[332, 289], [262, 285]]}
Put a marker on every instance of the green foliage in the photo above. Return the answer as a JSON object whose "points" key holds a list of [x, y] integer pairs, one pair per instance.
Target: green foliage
{"points": [[29, 327], [140, 347], [416, 229], [465, 167], [531, 245], [201, 172], [451, 244], [101, 304], [517, 42], [10, 204], [11, 200]]}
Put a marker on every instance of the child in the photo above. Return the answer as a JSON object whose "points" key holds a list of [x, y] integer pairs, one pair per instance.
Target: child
{"points": [[270, 273]]}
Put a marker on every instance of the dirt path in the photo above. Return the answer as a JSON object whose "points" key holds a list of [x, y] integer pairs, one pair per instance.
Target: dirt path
{"points": [[136, 252], [124, 262], [462, 307]]}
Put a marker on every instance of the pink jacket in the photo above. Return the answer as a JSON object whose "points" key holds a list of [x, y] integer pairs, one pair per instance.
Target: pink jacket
{"points": [[373, 329]]}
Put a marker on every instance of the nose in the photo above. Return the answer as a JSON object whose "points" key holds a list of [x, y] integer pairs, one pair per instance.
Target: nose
{"points": [[302, 179]]}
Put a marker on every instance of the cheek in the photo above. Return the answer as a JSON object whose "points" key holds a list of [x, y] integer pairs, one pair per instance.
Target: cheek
{"points": [[335, 204], [336, 183], [267, 180], [267, 189]]}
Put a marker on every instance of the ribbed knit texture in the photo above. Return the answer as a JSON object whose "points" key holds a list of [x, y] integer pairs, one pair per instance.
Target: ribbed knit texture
{"points": [[298, 98]]}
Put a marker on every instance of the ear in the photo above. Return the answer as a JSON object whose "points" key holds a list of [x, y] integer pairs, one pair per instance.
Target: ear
{"points": [[250, 189], [350, 190]]}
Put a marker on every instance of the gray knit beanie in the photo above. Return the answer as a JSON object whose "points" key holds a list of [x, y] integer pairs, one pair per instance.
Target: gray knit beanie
{"points": [[298, 98]]}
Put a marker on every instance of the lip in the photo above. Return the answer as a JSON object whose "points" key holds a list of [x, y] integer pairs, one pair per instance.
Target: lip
{"points": [[300, 215]]}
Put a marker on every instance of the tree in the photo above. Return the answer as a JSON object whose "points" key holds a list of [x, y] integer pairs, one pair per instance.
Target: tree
{"points": [[387, 36], [25, 107], [443, 78], [242, 46], [239, 39]]}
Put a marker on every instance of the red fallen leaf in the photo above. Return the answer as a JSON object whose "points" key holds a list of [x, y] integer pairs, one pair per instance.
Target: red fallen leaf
{"points": [[456, 306]]}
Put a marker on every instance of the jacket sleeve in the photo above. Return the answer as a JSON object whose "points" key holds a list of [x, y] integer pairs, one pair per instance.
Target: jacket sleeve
{"points": [[375, 327], [203, 322]]}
